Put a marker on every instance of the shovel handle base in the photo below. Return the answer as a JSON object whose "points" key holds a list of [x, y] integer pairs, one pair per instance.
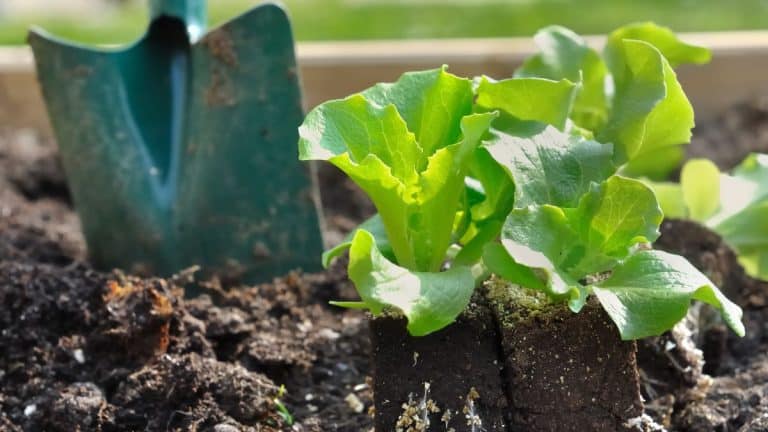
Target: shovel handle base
{"points": [[193, 13]]}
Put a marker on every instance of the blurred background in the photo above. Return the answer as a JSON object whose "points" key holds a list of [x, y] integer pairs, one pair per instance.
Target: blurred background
{"points": [[120, 21]]}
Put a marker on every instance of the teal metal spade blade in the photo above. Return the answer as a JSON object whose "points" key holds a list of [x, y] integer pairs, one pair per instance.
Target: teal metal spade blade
{"points": [[180, 149]]}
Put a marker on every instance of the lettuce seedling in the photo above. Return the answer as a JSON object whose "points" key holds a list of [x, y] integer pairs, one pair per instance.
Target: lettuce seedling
{"points": [[409, 145], [577, 228], [629, 96], [733, 205]]}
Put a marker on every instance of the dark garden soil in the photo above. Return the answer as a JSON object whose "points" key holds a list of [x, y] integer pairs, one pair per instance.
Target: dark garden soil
{"points": [[739, 131], [90, 351], [82, 350], [451, 376]]}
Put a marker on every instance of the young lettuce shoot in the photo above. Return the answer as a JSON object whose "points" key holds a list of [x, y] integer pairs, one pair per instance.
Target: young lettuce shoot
{"points": [[629, 96], [409, 145], [733, 205]]}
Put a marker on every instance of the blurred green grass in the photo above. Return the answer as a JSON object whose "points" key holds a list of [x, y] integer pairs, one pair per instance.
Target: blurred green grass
{"points": [[403, 19]]}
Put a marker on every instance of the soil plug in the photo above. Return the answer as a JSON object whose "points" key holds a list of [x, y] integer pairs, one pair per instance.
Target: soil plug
{"points": [[566, 371], [457, 362], [178, 148]]}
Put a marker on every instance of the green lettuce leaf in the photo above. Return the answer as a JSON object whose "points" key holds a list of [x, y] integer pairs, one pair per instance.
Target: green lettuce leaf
{"points": [[374, 226], [497, 192], [522, 99], [629, 96], [552, 249], [670, 197], [593, 237], [551, 167], [700, 183], [674, 50], [432, 104], [650, 110], [747, 229], [650, 141], [519, 264], [612, 219], [650, 292], [430, 301], [656, 165], [565, 55]]}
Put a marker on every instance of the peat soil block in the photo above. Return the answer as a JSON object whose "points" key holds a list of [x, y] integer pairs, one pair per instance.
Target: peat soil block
{"points": [[524, 368], [446, 380]]}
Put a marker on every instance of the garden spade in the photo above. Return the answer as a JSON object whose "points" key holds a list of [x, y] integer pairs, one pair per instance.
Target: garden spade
{"points": [[180, 149]]}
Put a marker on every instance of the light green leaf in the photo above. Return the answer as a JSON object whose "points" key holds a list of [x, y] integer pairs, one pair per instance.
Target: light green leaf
{"points": [[656, 165], [551, 167], [613, 218], [545, 229], [743, 212], [735, 206], [700, 183], [500, 261], [650, 110], [431, 102], [747, 228], [651, 291], [430, 301], [497, 183], [565, 55], [674, 50], [670, 197], [484, 233], [592, 238], [755, 261], [754, 169], [374, 226], [532, 99], [439, 189], [361, 130], [495, 191]]}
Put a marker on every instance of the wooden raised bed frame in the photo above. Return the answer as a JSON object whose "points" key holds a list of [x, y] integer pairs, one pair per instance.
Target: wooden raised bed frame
{"points": [[335, 69]]}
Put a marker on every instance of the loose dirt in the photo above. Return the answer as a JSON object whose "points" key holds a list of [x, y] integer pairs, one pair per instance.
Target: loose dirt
{"points": [[91, 351]]}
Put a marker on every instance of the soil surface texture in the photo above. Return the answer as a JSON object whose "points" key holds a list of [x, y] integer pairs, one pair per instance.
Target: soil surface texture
{"points": [[733, 135], [89, 351]]}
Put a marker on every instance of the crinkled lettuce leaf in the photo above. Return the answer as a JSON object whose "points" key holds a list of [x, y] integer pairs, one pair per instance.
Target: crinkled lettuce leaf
{"points": [[565, 55], [651, 291], [629, 96], [429, 300]]}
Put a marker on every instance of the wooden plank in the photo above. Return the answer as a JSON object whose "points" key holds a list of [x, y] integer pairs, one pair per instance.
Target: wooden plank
{"points": [[336, 69]]}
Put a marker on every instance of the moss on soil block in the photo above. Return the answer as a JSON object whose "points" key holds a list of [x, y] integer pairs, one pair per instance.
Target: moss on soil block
{"points": [[564, 371]]}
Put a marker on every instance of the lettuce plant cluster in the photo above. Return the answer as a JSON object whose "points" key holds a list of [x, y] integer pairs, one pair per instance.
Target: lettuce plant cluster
{"points": [[529, 178]]}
